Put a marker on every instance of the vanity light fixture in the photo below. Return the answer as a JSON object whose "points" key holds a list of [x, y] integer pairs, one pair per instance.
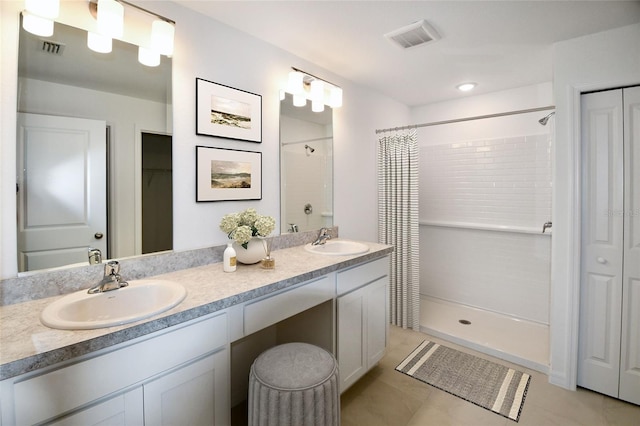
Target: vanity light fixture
{"points": [[162, 34], [110, 18], [303, 86], [38, 16], [317, 95], [465, 87]]}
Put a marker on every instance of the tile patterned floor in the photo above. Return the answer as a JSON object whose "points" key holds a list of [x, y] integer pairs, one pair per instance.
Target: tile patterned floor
{"points": [[386, 397]]}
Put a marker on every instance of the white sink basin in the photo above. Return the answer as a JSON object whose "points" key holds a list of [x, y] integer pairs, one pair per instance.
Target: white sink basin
{"points": [[338, 248], [140, 299]]}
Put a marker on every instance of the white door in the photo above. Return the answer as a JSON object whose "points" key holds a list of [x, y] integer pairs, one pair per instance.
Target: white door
{"points": [[630, 345], [602, 233], [352, 338], [61, 190], [609, 341]]}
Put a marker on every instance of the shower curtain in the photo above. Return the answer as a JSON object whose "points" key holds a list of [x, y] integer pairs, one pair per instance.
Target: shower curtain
{"points": [[398, 222]]}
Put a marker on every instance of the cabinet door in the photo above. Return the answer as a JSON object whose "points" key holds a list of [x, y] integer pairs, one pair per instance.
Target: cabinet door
{"points": [[123, 410], [196, 394], [352, 337], [377, 324]]}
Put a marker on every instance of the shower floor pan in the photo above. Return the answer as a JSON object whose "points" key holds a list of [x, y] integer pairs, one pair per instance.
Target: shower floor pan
{"points": [[522, 342]]}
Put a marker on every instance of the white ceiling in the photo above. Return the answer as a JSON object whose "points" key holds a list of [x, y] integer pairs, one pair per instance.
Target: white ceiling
{"points": [[498, 44]]}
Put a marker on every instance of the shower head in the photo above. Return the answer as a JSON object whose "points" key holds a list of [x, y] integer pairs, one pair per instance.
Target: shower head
{"points": [[309, 148], [546, 118]]}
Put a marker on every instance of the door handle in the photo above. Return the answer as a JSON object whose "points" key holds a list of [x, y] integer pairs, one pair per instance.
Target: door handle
{"points": [[98, 235], [601, 260]]}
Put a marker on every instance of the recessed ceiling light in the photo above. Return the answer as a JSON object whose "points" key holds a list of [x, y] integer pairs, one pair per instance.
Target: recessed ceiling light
{"points": [[465, 87]]}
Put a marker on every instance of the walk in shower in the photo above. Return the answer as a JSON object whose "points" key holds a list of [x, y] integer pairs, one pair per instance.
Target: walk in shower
{"points": [[485, 197]]}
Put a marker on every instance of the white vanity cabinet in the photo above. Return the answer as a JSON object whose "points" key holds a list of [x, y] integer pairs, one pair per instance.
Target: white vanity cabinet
{"points": [[362, 325], [169, 377]]}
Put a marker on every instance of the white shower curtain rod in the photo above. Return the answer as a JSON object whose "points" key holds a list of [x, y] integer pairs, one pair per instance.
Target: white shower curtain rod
{"points": [[458, 120]]}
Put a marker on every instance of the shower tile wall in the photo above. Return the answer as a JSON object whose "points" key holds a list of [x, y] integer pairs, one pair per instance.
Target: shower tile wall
{"points": [[501, 183], [504, 182]]}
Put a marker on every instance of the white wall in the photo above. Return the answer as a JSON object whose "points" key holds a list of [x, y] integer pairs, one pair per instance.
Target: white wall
{"points": [[210, 50], [598, 61], [485, 191]]}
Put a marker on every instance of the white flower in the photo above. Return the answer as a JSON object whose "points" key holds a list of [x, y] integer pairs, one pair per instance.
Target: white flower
{"points": [[242, 234], [265, 225], [229, 223], [246, 224]]}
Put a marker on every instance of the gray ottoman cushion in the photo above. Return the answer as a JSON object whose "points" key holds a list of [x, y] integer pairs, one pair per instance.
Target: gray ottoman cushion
{"points": [[294, 384]]}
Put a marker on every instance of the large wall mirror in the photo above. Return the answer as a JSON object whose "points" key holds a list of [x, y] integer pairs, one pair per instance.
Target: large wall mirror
{"points": [[306, 167], [93, 151]]}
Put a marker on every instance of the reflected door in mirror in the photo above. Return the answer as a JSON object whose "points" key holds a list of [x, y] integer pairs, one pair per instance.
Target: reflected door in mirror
{"points": [[61, 190]]}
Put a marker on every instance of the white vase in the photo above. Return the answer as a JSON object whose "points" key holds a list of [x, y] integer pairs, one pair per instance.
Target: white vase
{"points": [[254, 252]]}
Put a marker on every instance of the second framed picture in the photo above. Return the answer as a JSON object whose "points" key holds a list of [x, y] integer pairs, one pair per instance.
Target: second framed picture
{"points": [[228, 174], [227, 112]]}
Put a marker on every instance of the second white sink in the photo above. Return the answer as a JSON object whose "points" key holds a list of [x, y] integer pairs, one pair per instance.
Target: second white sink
{"points": [[338, 248], [140, 299]]}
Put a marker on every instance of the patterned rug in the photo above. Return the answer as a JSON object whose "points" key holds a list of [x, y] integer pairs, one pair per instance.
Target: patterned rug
{"points": [[489, 385]]}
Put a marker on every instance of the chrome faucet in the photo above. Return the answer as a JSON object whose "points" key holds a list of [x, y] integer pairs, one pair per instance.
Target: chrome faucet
{"points": [[111, 280], [95, 256], [323, 236]]}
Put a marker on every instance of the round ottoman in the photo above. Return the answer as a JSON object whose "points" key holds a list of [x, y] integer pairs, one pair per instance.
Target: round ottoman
{"points": [[294, 384]]}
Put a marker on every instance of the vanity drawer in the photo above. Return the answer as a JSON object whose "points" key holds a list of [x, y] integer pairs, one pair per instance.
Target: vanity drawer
{"points": [[272, 309], [360, 275]]}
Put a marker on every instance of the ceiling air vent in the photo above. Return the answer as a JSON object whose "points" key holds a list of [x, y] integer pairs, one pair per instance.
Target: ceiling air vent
{"points": [[52, 47], [412, 35]]}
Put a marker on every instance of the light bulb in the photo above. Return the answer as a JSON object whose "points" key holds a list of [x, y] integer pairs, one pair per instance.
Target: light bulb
{"points": [[99, 43], [335, 97], [295, 84], [299, 100], [49, 9], [162, 34], [465, 87], [317, 106], [37, 25], [148, 57], [110, 18], [317, 91]]}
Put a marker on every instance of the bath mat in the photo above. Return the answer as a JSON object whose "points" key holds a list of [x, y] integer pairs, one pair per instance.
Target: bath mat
{"points": [[489, 385]]}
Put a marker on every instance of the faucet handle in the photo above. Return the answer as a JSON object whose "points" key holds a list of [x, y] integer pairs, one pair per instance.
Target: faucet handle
{"points": [[112, 268]]}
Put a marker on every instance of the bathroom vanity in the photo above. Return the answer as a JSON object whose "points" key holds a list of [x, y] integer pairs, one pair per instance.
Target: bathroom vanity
{"points": [[189, 365]]}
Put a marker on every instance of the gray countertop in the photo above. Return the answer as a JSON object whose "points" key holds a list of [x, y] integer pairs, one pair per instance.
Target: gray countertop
{"points": [[27, 345]]}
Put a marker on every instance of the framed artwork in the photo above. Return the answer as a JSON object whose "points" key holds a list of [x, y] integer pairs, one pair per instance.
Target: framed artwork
{"points": [[226, 112], [228, 174]]}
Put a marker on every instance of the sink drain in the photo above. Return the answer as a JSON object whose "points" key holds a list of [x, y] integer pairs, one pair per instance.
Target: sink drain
{"points": [[464, 321]]}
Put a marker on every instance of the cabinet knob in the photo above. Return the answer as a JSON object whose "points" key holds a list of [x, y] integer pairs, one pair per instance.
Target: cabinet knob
{"points": [[601, 260]]}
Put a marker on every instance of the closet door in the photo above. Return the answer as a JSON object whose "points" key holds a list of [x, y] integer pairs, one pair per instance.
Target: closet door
{"points": [[602, 242], [630, 345]]}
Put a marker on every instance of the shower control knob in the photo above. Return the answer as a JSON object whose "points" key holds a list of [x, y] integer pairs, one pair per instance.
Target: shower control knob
{"points": [[601, 260]]}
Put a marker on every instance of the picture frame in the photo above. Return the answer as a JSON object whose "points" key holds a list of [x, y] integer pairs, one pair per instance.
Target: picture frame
{"points": [[225, 112], [228, 174]]}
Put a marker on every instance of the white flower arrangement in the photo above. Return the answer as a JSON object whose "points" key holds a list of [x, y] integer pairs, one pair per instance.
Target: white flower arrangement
{"points": [[246, 224]]}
